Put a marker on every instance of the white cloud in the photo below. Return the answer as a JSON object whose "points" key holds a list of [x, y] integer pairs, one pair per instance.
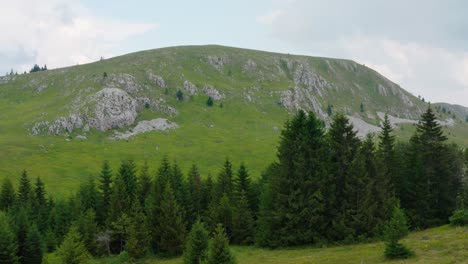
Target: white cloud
{"points": [[269, 18], [58, 33]]}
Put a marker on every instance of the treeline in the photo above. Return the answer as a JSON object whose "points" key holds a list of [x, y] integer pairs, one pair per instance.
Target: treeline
{"points": [[326, 187]]}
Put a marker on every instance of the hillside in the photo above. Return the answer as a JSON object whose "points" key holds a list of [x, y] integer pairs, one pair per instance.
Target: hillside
{"points": [[60, 124]]}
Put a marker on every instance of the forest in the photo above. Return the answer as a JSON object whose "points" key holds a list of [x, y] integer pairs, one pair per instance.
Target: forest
{"points": [[327, 187]]}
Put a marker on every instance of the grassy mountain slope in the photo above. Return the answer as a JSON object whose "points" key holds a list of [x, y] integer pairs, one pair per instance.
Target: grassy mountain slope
{"points": [[41, 114]]}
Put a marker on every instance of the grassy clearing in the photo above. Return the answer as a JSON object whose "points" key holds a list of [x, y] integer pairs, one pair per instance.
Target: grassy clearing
{"points": [[441, 245]]}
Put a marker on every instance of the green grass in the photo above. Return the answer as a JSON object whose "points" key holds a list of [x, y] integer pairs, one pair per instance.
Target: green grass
{"points": [[243, 131], [439, 245]]}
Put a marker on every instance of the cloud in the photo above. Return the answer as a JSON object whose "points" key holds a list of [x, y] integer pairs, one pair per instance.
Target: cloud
{"points": [[425, 53], [58, 33], [269, 18]]}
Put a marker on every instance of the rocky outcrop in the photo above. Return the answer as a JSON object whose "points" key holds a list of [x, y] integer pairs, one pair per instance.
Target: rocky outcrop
{"points": [[158, 124], [123, 81], [212, 92], [62, 125], [250, 65], [218, 62], [155, 79], [304, 76], [300, 98], [7, 79], [114, 108], [190, 88]]}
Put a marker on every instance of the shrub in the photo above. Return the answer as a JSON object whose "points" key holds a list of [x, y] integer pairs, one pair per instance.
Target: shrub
{"points": [[459, 217]]}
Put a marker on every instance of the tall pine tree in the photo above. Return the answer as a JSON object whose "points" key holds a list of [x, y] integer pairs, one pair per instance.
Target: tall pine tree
{"points": [[7, 195]]}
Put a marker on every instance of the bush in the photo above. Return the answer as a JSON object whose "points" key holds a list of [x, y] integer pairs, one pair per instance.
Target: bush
{"points": [[210, 101], [395, 250], [459, 217]]}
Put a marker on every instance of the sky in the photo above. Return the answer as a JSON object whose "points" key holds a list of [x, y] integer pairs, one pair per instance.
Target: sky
{"points": [[421, 45]]}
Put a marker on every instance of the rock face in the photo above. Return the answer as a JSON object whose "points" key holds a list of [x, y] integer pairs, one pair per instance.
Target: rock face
{"points": [[7, 79], [305, 77], [190, 88], [363, 128], [123, 81], [155, 79], [218, 62], [301, 99], [64, 124], [212, 92], [158, 124], [114, 109]]}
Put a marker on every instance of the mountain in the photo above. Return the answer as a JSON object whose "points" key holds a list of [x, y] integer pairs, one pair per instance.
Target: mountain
{"points": [[61, 124]]}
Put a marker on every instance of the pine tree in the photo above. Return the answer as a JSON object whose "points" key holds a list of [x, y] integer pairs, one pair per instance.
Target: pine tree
{"points": [[73, 250], [105, 182], [88, 228], [210, 101], [144, 183], [386, 154], [125, 189], [8, 243], [242, 222], [196, 245], [24, 190], [194, 192], [120, 228], [218, 249], [22, 229], [39, 193], [242, 184], [138, 241], [33, 247], [296, 196], [344, 145], [221, 213], [7, 195], [225, 183], [171, 225], [396, 229]]}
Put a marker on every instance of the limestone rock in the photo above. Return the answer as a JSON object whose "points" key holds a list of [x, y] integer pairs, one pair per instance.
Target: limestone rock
{"points": [[158, 124], [114, 108], [212, 92], [300, 98], [190, 88], [155, 79], [218, 62], [123, 81]]}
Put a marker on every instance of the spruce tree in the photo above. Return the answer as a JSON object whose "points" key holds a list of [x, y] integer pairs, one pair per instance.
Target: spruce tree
{"points": [[225, 183], [88, 228], [138, 241], [41, 207], [196, 245], [24, 189], [33, 247], [221, 213], [387, 157], [124, 192], [296, 187], [8, 242], [88, 196], [144, 184], [344, 145], [194, 192], [73, 250], [22, 226], [242, 222], [7, 195], [171, 224], [218, 249], [396, 229], [105, 182]]}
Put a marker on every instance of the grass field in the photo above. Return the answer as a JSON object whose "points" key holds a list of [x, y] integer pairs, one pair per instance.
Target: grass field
{"points": [[441, 245]]}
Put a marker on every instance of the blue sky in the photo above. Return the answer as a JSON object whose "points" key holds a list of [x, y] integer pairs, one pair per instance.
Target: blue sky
{"points": [[421, 45]]}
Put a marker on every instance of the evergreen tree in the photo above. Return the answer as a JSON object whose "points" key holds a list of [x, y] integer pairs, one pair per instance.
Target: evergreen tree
{"points": [[125, 189], [196, 245], [180, 95], [396, 229], [242, 222], [7, 195], [344, 145], [194, 192], [88, 228], [120, 228], [296, 187], [208, 193], [386, 154], [138, 241], [144, 184], [221, 213], [40, 193], [171, 225], [73, 250], [33, 247], [105, 182], [8, 242], [41, 207], [210, 101], [218, 249], [22, 230], [24, 190], [225, 183]]}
